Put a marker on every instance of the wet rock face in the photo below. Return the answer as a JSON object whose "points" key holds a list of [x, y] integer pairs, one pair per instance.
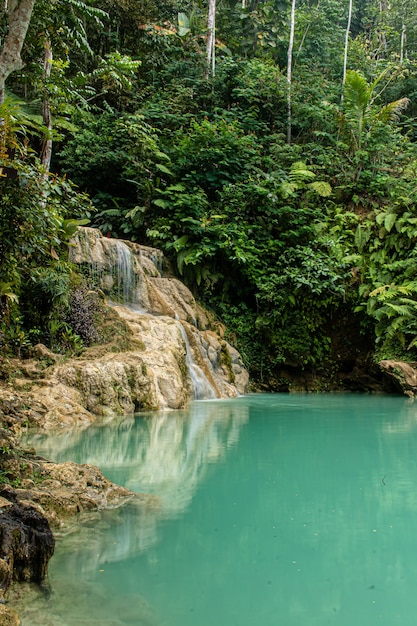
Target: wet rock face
{"points": [[26, 544]]}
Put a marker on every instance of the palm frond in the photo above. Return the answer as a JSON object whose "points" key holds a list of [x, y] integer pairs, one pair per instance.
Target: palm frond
{"points": [[393, 110]]}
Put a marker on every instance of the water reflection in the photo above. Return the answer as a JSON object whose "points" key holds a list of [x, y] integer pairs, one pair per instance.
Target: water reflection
{"points": [[312, 520], [163, 453]]}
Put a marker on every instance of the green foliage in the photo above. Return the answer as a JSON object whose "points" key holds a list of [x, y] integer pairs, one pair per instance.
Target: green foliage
{"points": [[360, 115], [13, 337], [37, 215], [32, 217], [279, 239], [395, 310], [111, 153]]}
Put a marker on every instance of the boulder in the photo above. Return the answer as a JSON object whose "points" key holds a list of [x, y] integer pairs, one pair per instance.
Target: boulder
{"points": [[400, 376], [26, 543]]}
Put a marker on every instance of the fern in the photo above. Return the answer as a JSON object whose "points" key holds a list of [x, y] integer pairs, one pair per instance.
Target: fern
{"points": [[299, 173], [387, 292], [322, 188]]}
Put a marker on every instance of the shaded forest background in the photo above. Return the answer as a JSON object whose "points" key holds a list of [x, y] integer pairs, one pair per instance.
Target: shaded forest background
{"points": [[270, 154]]}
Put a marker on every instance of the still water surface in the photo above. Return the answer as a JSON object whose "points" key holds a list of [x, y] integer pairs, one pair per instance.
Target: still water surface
{"points": [[272, 510]]}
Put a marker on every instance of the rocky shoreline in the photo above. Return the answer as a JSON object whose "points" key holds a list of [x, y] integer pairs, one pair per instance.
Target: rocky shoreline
{"points": [[38, 498]]}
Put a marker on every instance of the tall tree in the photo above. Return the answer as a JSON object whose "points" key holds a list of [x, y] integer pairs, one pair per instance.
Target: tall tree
{"points": [[289, 70], [403, 50], [345, 56], [46, 152], [17, 15], [211, 34]]}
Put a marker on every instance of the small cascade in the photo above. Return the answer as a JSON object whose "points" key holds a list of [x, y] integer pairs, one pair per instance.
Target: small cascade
{"points": [[109, 264], [130, 276], [202, 388], [122, 271]]}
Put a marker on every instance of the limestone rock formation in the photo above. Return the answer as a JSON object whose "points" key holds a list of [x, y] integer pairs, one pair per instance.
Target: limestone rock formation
{"points": [[174, 351], [66, 489], [400, 377]]}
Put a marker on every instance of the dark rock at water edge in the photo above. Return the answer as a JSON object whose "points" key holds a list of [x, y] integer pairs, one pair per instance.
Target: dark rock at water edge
{"points": [[26, 543]]}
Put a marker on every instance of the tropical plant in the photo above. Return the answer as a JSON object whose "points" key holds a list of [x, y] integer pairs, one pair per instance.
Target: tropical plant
{"points": [[360, 115], [395, 309]]}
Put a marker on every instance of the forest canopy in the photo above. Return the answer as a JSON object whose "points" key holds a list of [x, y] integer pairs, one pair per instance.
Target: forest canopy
{"points": [[267, 147]]}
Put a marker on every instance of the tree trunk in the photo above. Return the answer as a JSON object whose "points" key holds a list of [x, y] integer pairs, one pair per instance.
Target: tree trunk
{"points": [[289, 71], [383, 7], [46, 153], [346, 46], [403, 51], [403, 39], [211, 29], [19, 13]]}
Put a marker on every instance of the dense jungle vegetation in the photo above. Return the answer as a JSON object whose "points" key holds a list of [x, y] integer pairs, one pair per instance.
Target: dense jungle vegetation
{"points": [[267, 147]]}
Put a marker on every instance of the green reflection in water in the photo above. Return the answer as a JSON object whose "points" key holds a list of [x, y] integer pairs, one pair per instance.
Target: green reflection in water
{"points": [[276, 510]]}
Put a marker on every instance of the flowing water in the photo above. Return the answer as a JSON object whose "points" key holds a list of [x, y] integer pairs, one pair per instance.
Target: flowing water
{"points": [[202, 388], [275, 510]]}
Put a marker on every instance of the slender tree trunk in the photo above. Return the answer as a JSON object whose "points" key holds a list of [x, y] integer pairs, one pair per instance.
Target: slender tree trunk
{"points": [[211, 32], [403, 52], [19, 13], [46, 153], [289, 71], [403, 40], [346, 45], [383, 7]]}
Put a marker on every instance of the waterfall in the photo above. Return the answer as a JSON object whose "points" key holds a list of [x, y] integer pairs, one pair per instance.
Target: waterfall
{"points": [[123, 272], [130, 276], [108, 262], [202, 388]]}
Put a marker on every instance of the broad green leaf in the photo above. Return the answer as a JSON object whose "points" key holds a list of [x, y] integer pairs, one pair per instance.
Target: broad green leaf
{"points": [[183, 25], [389, 221], [162, 203], [362, 236], [70, 227], [380, 217], [163, 168], [180, 243]]}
